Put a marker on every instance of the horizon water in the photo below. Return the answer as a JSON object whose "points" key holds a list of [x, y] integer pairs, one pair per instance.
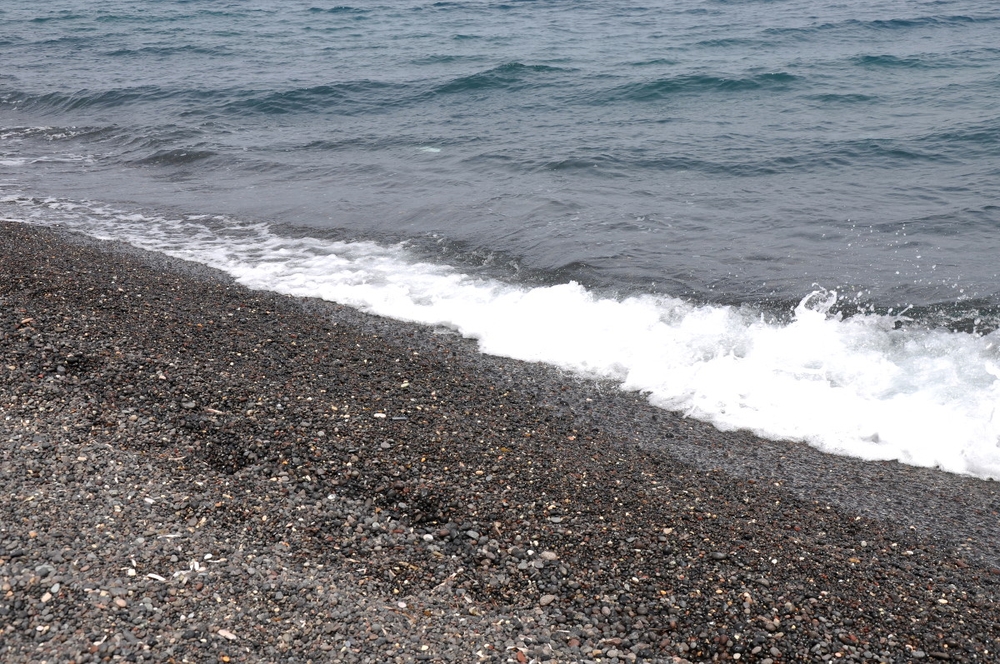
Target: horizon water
{"points": [[775, 215]]}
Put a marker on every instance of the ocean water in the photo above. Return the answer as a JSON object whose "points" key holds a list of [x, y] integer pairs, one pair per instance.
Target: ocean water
{"points": [[779, 215]]}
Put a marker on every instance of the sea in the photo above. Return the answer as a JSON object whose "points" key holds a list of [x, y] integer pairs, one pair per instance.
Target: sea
{"points": [[773, 215]]}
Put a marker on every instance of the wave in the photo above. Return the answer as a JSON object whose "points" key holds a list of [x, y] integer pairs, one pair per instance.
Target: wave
{"points": [[695, 83], [58, 133], [922, 21], [756, 160], [875, 386], [347, 97], [60, 102], [910, 62], [843, 98], [854, 26], [653, 62], [60, 16], [442, 59], [176, 157], [982, 134], [166, 51], [728, 42], [339, 9], [509, 76]]}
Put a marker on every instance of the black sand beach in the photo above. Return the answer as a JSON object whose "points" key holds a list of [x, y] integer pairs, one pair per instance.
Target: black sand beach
{"points": [[191, 471]]}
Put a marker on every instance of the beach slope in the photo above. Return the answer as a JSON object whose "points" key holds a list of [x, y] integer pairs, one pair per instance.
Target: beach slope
{"points": [[194, 471]]}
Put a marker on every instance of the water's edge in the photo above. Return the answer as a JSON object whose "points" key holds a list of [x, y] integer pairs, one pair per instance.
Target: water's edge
{"points": [[958, 510]]}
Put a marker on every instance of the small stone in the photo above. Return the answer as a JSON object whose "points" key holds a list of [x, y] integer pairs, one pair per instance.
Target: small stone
{"points": [[472, 534], [918, 654], [121, 603], [549, 555], [718, 555], [546, 600], [188, 404], [46, 597], [226, 634], [428, 537]]}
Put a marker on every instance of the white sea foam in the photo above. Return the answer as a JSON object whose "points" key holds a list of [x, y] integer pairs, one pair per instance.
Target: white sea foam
{"points": [[856, 386]]}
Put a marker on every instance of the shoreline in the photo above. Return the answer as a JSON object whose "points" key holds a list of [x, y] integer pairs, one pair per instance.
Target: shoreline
{"points": [[311, 483]]}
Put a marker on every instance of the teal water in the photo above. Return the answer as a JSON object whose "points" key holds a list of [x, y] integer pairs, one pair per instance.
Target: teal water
{"points": [[729, 151]]}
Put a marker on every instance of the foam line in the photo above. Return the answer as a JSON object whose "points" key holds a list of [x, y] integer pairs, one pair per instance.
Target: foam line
{"points": [[856, 386]]}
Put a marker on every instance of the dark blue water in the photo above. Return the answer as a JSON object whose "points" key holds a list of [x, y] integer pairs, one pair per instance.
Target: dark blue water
{"points": [[728, 150], [779, 215]]}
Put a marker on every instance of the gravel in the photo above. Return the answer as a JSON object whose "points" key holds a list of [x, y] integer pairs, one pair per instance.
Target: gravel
{"points": [[192, 471]]}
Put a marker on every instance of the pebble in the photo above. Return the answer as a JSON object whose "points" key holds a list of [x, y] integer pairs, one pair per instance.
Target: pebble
{"points": [[423, 551]]}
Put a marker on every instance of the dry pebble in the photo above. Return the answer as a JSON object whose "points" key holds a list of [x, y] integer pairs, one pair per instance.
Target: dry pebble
{"points": [[192, 471]]}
